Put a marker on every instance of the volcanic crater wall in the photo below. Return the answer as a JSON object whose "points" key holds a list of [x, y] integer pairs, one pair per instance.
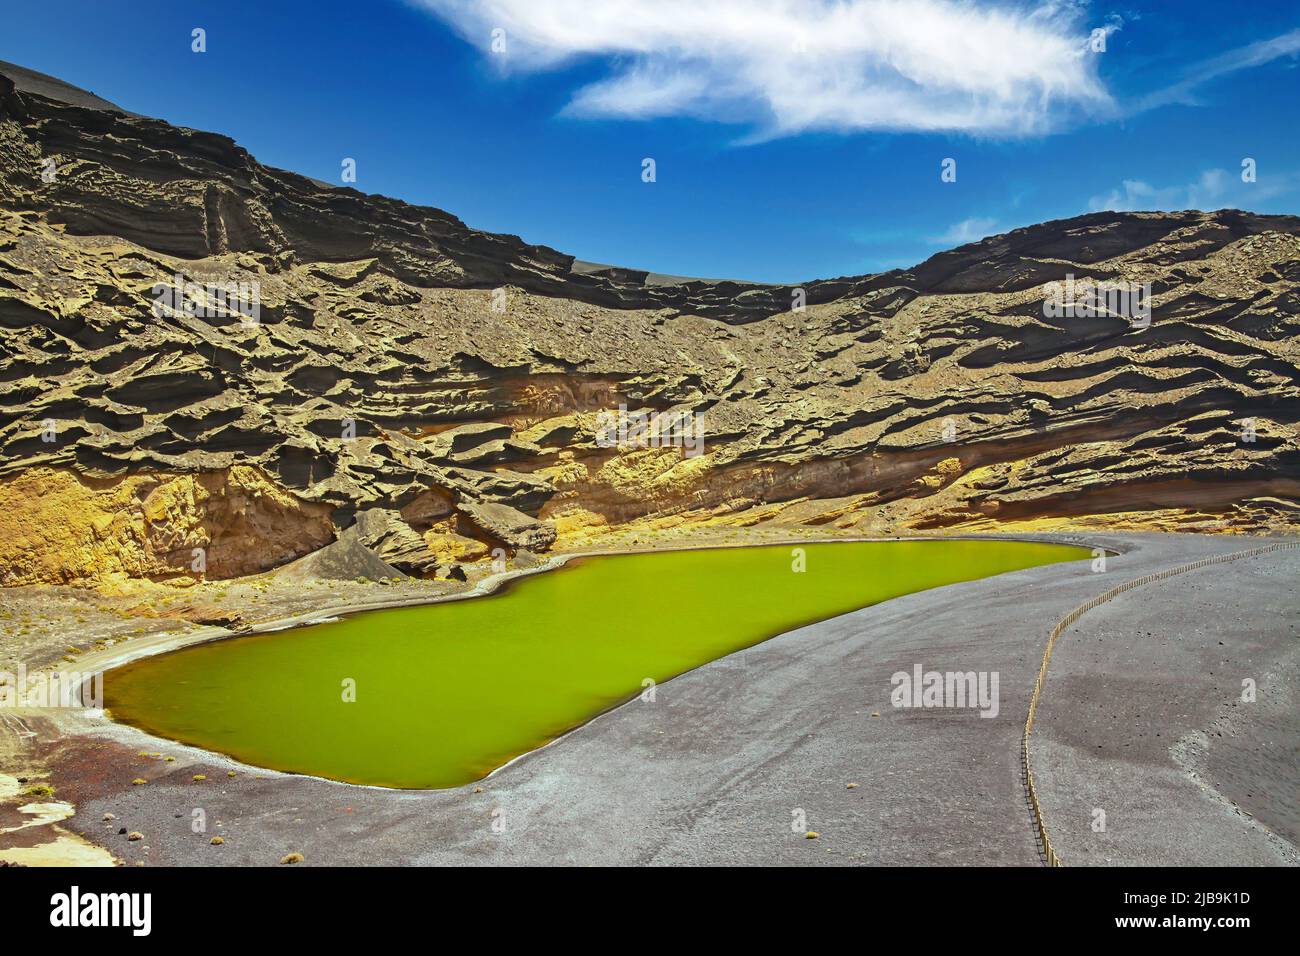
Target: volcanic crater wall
{"points": [[442, 390]]}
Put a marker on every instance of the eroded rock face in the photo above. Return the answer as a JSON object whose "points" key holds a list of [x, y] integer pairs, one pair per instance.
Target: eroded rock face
{"points": [[58, 527], [446, 390], [514, 528]]}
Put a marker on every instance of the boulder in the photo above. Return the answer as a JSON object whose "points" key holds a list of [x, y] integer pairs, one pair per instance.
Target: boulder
{"points": [[513, 527], [395, 542]]}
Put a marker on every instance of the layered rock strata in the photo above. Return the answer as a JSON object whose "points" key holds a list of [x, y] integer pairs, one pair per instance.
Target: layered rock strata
{"points": [[200, 352]]}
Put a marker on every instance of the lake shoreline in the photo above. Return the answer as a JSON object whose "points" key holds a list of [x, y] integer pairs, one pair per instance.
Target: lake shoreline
{"points": [[569, 630], [592, 757], [107, 660]]}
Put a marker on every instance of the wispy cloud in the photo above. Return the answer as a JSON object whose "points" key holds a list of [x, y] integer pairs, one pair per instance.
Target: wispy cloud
{"points": [[968, 230], [788, 66], [1242, 58], [1213, 189]]}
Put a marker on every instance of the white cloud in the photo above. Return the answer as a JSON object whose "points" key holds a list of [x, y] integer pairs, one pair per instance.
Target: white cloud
{"points": [[968, 230], [1213, 189], [1241, 58], [793, 65]]}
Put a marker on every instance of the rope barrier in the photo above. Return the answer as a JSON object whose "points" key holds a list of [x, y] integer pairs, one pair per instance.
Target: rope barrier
{"points": [[1049, 852]]}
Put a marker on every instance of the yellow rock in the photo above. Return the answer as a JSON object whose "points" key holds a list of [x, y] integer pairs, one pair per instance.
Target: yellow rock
{"points": [[57, 527], [450, 547]]}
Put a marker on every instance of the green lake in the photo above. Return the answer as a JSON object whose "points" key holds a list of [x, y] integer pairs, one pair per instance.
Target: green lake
{"points": [[445, 693]]}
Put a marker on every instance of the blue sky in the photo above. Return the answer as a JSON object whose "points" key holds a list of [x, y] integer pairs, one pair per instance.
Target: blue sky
{"points": [[792, 139]]}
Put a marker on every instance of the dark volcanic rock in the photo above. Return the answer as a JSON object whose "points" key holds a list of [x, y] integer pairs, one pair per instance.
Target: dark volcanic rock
{"points": [[513, 527]]}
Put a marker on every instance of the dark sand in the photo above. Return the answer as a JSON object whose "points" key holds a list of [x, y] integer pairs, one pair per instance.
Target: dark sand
{"points": [[724, 763], [1142, 717]]}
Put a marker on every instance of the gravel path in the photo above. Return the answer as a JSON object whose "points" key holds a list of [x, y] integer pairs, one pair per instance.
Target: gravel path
{"points": [[1143, 719]]}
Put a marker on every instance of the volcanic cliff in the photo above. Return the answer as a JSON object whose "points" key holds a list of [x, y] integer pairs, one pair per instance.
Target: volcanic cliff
{"points": [[436, 393]]}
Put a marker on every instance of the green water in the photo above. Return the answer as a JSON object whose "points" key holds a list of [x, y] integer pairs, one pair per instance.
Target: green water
{"points": [[446, 693]]}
